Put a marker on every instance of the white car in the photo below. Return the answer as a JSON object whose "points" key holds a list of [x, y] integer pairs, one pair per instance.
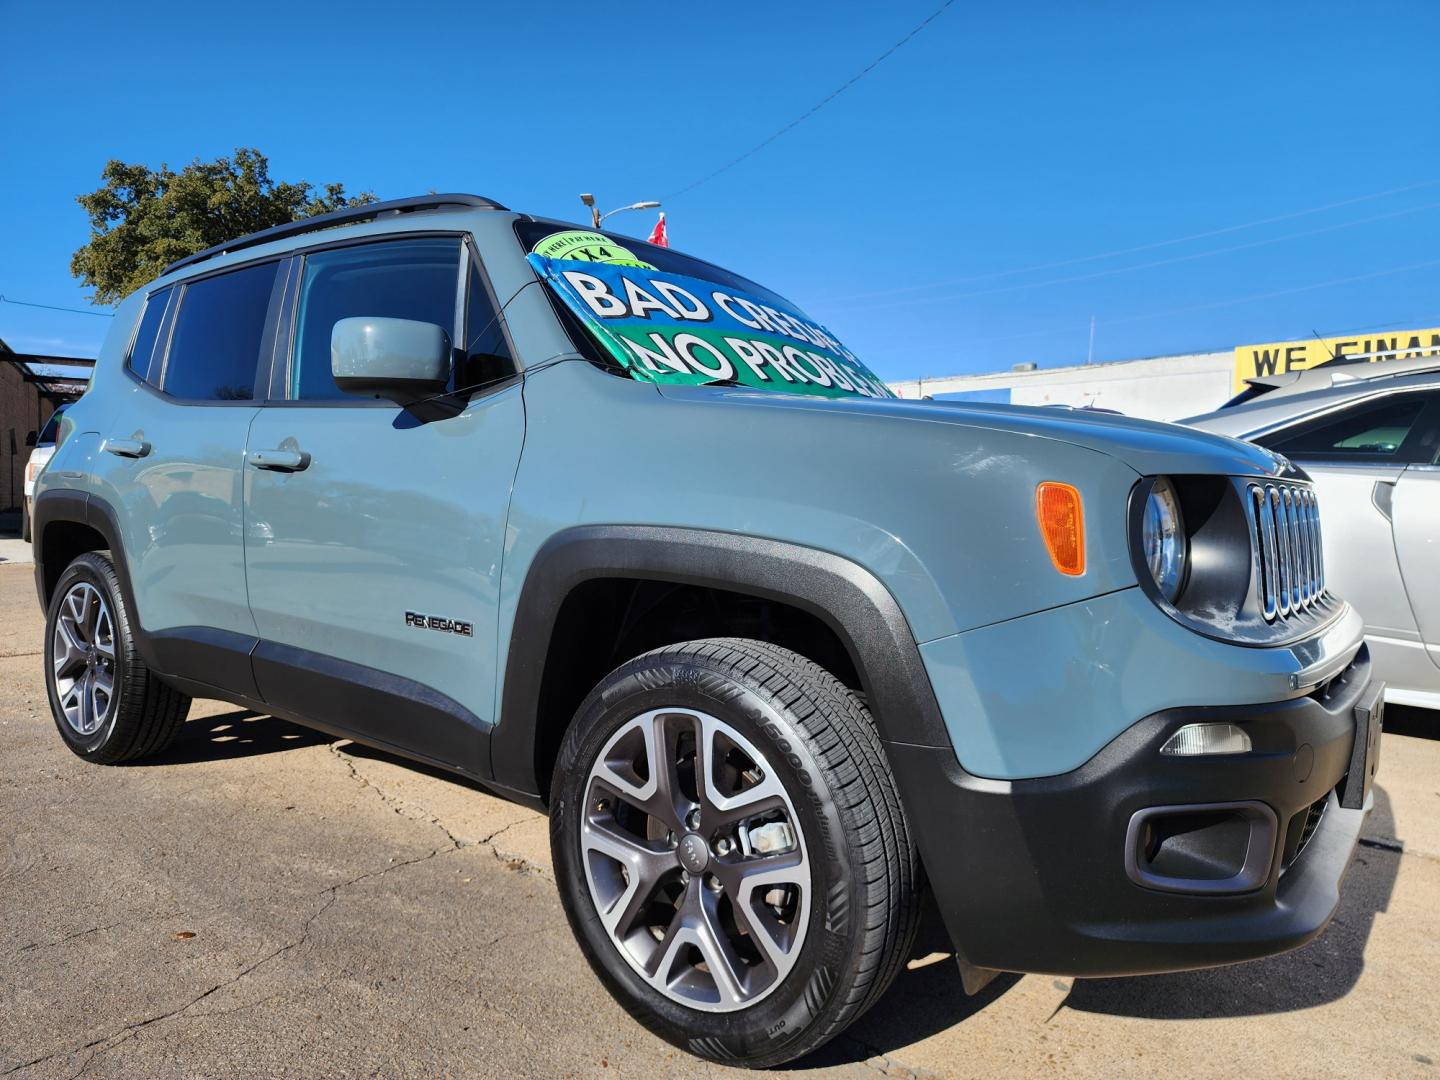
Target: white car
{"points": [[1368, 434], [44, 450]]}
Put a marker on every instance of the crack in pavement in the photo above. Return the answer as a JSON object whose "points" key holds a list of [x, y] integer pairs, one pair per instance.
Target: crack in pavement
{"points": [[416, 812], [119, 1037], [34, 945], [513, 860], [41, 945], [404, 808], [882, 1063], [394, 802]]}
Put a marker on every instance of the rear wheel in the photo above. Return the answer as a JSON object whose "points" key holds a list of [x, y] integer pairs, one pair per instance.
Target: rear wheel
{"points": [[108, 706], [731, 850]]}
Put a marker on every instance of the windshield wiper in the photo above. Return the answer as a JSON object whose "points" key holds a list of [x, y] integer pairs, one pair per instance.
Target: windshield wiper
{"points": [[733, 382]]}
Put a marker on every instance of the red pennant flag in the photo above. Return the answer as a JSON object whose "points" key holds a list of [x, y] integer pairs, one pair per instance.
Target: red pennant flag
{"points": [[657, 234]]}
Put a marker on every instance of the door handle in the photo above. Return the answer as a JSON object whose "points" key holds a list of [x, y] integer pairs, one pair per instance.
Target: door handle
{"points": [[129, 448], [279, 460]]}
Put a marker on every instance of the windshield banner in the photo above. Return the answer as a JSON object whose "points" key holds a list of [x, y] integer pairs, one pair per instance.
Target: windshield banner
{"points": [[670, 328]]}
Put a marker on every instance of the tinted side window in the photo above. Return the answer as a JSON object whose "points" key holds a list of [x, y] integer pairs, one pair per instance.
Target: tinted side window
{"points": [[394, 279], [1385, 430], [215, 345], [486, 357], [51, 429], [143, 348]]}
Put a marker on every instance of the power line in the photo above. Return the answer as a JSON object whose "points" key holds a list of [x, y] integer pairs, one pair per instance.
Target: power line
{"points": [[51, 307], [991, 275], [1276, 292], [1138, 266], [1419, 320], [816, 108], [1195, 307]]}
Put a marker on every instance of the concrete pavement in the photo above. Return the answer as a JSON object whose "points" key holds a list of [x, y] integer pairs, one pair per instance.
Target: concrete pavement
{"points": [[263, 901]]}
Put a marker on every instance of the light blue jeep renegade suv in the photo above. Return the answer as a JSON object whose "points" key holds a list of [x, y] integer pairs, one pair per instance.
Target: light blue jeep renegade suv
{"points": [[626, 536]]}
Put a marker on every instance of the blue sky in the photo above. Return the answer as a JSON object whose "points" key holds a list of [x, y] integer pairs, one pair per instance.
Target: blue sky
{"points": [[942, 215]]}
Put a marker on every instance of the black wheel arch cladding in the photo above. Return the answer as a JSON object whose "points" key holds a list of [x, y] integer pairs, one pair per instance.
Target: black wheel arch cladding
{"points": [[849, 599]]}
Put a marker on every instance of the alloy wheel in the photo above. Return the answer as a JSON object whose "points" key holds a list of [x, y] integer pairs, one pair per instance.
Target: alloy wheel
{"points": [[83, 660], [695, 859]]}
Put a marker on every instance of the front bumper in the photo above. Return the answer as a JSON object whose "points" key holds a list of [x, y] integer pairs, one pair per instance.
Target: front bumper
{"points": [[1031, 875]]}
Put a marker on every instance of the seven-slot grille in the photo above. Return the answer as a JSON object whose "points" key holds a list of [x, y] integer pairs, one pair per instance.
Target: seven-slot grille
{"points": [[1285, 539]]}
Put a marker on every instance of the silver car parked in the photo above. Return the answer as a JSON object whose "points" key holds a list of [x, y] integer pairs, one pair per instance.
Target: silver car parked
{"points": [[1369, 436]]}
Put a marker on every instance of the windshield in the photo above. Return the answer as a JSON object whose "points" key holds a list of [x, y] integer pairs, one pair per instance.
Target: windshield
{"points": [[664, 317]]}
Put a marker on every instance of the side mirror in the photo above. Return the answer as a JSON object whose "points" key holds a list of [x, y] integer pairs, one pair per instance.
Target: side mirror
{"points": [[399, 359], [31, 439]]}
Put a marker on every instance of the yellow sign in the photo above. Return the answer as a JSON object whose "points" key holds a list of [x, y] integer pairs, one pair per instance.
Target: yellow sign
{"points": [[1253, 361]]}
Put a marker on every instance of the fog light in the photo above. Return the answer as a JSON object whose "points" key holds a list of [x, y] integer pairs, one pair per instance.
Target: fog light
{"points": [[1195, 739]]}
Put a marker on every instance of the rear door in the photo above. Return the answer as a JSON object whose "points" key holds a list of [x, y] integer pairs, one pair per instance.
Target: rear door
{"points": [[171, 461], [374, 567]]}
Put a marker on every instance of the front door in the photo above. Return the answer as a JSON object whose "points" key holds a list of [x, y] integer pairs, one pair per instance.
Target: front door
{"points": [[1374, 517], [1417, 543], [373, 540]]}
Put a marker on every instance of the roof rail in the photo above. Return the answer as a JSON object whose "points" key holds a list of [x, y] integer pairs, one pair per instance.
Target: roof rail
{"points": [[348, 216]]}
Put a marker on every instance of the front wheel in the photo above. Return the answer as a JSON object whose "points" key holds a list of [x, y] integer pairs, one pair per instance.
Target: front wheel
{"points": [[731, 850]]}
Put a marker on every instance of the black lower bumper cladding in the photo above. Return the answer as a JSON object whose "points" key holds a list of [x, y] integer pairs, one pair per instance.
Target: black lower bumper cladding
{"points": [[1032, 875]]}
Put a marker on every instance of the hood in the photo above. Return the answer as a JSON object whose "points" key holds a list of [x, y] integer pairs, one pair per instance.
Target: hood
{"points": [[1149, 447]]}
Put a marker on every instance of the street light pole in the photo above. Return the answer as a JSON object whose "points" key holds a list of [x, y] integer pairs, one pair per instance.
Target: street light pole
{"points": [[597, 217]]}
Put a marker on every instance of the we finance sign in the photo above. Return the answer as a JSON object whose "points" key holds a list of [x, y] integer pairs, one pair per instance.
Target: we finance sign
{"points": [[1257, 361]]}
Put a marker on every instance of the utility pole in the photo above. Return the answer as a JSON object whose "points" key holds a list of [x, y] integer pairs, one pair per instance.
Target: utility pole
{"points": [[1090, 355]]}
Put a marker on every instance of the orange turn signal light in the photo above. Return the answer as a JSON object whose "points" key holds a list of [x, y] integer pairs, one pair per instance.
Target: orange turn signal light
{"points": [[1062, 524]]}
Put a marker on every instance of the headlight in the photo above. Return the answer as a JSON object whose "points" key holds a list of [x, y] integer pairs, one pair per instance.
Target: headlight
{"points": [[1162, 538]]}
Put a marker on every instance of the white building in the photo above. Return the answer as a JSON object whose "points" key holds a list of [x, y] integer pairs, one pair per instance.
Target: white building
{"points": [[1159, 388], [1170, 387]]}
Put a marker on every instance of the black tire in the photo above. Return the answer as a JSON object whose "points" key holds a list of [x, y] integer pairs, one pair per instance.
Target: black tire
{"points": [[820, 741], [146, 714], [25, 520]]}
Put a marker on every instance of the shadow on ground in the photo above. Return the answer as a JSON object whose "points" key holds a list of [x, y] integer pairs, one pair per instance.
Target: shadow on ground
{"points": [[360, 750], [237, 734], [925, 999], [242, 733]]}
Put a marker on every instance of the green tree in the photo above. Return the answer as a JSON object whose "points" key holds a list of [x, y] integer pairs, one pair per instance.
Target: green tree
{"points": [[143, 219]]}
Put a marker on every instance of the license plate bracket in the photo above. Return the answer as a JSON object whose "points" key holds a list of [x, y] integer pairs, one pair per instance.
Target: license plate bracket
{"points": [[1365, 754]]}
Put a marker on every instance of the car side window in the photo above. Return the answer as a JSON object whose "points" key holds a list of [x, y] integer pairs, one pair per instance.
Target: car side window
{"points": [[142, 349], [486, 357], [396, 279], [50, 433], [215, 346], [1386, 430]]}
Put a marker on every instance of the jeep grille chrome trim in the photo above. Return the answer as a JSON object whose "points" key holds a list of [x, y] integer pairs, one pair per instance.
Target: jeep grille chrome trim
{"points": [[1286, 545]]}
